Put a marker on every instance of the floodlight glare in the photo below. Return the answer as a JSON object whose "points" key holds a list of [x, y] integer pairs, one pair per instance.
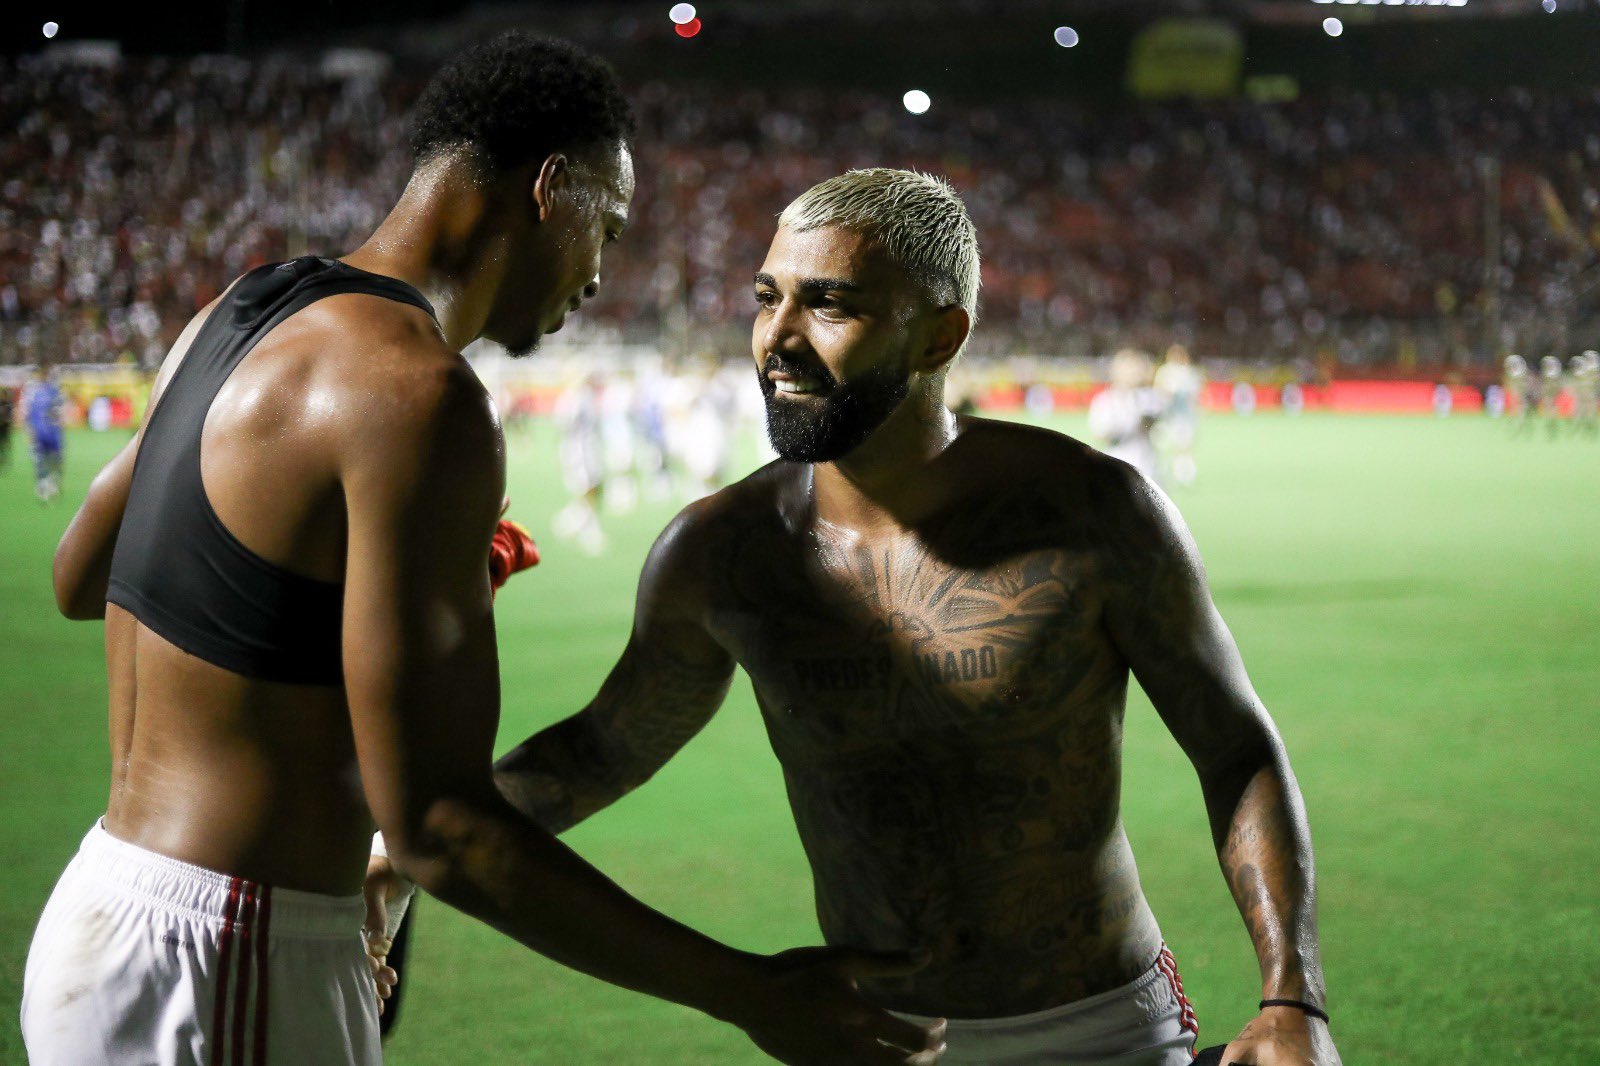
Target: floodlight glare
{"points": [[682, 14], [917, 101], [51, 29], [1332, 27], [1066, 36], [1550, 7]]}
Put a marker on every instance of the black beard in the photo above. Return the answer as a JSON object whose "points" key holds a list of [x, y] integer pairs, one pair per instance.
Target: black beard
{"points": [[522, 351], [805, 431]]}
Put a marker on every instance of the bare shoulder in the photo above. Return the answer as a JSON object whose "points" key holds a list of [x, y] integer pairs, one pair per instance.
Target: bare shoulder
{"points": [[393, 384], [1014, 451], [706, 532]]}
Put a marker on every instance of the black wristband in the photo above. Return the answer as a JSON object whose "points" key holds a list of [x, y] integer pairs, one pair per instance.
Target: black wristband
{"points": [[1315, 1012]]}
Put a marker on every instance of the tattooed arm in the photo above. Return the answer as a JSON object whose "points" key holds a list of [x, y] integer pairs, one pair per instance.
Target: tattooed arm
{"points": [[1161, 617], [670, 680]]}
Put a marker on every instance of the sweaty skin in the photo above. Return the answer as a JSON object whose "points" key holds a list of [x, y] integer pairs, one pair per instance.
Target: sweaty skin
{"points": [[940, 628], [354, 444], [946, 703]]}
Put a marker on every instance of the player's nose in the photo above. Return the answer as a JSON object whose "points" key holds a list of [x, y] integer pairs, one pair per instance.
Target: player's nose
{"points": [[592, 288], [781, 333]]}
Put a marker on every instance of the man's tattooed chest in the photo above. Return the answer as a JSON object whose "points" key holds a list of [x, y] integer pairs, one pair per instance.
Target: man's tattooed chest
{"points": [[861, 645]]}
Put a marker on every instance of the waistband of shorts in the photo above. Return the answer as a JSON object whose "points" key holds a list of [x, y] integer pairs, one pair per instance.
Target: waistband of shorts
{"points": [[1066, 1011], [180, 887]]}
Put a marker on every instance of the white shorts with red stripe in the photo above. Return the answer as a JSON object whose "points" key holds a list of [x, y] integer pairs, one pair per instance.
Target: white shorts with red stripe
{"points": [[1147, 1022], [139, 959]]}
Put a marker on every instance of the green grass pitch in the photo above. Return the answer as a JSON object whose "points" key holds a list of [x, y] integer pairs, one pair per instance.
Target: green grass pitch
{"points": [[1418, 602]]}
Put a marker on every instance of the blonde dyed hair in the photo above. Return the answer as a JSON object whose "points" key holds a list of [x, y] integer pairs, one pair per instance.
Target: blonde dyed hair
{"points": [[919, 220]]}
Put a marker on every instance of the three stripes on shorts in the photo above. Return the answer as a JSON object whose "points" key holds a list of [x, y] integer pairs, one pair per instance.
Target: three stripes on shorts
{"points": [[239, 1020]]}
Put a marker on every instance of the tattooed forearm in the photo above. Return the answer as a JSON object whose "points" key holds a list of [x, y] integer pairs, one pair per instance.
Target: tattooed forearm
{"points": [[1265, 851], [654, 701]]}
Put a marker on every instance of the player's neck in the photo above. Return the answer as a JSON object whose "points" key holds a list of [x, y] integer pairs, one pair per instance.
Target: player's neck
{"points": [[889, 481], [433, 241]]}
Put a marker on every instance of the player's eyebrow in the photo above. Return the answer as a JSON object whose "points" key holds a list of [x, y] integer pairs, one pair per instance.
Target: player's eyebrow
{"points": [[812, 285]]}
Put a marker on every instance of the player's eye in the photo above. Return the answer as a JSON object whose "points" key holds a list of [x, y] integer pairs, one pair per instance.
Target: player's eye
{"points": [[766, 297]]}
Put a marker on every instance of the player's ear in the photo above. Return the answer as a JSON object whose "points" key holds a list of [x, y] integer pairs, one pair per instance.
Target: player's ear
{"points": [[552, 176], [948, 335]]}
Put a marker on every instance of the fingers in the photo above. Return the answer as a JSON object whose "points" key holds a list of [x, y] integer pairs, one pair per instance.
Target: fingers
{"points": [[855, 963], [384, 977], [376, 925], [908, 1035], [893, 1056]]}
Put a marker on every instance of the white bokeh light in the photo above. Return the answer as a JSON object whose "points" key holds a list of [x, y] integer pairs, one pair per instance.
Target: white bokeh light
{"points": [[917, 102], [1066, 36], [51, 29], [1550, 7], [682, 14], [1332, 27]]}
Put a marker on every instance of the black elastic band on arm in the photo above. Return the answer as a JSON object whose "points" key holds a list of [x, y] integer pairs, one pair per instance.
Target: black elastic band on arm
{"points": [[1315, 1012]]}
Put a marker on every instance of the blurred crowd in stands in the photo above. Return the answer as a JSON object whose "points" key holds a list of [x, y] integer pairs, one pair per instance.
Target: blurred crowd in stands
{"points": [[1343, 231]]}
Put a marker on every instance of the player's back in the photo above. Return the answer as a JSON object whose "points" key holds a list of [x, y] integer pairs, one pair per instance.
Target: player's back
{"points": [[231, 740]]}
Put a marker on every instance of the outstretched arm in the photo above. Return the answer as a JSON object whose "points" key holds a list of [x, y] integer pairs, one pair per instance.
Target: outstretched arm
{"points": [[423, 474], [1182, 654], [671, 679]]}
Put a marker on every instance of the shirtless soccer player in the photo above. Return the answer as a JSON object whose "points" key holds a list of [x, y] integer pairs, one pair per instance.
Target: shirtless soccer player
{"points": [[291, 563], [940, 617]]}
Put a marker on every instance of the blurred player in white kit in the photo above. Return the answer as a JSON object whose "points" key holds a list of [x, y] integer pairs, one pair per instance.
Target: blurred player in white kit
{"points": [[1583, 373], [1519, 390], [1550, 386], [1178, 382], [1122, 416], [583, 466]]}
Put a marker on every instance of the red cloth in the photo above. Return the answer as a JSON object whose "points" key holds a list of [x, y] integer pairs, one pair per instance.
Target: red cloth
{"points": [[511, 550]]}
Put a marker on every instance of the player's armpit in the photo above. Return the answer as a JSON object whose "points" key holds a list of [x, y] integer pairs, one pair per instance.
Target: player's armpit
{"points": [[82, 565], [670, 680]]}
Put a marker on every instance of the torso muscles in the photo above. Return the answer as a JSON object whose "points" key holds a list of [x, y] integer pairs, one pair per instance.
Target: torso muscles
{"points": [[948, 712]]}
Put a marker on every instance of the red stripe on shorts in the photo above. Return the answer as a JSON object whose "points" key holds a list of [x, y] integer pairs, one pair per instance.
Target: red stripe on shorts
{"points": [[219, 1011], [261, 976], [1169, 966], [241, 994]]}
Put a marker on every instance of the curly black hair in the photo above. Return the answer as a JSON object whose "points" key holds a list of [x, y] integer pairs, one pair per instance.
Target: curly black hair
{"points": [[518, 97]]}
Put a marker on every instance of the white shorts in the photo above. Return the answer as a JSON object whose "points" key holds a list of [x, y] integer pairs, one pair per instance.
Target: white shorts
{"points": [[141, 959], [1148, 1022]]}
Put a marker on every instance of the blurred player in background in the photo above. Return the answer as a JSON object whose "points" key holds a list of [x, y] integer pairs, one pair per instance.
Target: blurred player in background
{"points": [[707, 422], [1123, 414], [940, 616], [42, 411], [300, 638], [1550, 389], [1178, 382], [8, 415], [618, 433], [583, 463], [1520, 391], [1583, 372]]}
